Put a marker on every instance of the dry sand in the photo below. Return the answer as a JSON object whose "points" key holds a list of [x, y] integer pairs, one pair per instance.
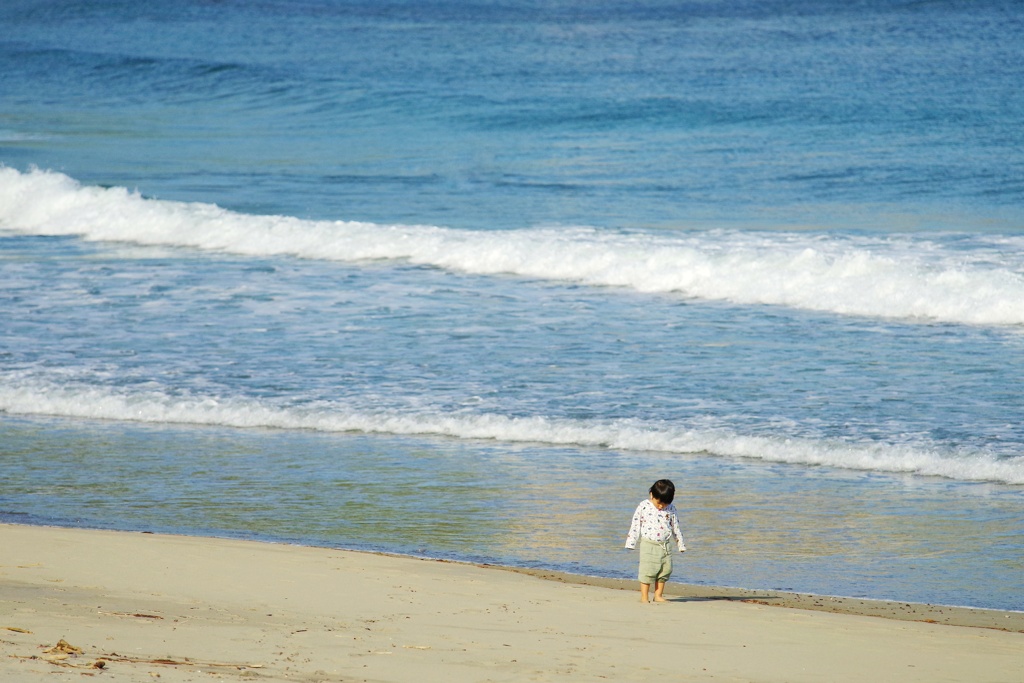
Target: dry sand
{"points": [[144, 607]]}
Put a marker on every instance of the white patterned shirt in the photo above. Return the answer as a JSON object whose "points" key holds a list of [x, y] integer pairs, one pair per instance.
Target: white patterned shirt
{"points": [[655, 525]]}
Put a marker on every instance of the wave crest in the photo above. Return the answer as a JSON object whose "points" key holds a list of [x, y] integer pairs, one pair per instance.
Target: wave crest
{"points": [[904, 278], [21, 397]]}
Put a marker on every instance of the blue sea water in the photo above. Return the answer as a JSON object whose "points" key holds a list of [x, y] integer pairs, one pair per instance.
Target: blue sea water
{"points": [[462, 279]]}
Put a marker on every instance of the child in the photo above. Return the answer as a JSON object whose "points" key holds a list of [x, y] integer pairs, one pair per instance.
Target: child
{"points": [[654, 524]]}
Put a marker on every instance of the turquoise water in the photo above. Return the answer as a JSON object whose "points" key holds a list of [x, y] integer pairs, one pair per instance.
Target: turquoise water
{"points": [[820, 530], [462, 281]]}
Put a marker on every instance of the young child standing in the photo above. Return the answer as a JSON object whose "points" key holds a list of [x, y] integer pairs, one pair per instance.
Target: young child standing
{"points": [[655, 523]]}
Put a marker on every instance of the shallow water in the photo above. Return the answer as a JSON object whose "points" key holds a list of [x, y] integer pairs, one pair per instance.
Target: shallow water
{"points": [[746, 523]]}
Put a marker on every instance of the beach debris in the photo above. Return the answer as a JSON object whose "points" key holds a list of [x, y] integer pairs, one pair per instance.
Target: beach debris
{"points": [[17, 630], [60, 654], [63, 647], [64, 653], [184, 661], [137, 615]]}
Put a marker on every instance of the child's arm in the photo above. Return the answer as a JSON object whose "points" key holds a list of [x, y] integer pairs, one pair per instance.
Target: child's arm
{"points": [[677, 533], [634, 529]]}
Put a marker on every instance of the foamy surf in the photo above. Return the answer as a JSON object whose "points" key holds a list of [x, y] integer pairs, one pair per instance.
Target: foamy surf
{"points": [[31, 397], [902, 278]]}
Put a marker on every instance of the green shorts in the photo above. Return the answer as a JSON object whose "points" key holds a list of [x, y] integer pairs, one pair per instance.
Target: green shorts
{"points": [[655, 561]]}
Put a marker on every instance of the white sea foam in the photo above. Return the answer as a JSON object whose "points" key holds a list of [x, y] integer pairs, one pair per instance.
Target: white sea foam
{"points": [[910, 278], [19, 396]]}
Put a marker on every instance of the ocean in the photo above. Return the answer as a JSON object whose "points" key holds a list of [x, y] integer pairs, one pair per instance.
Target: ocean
{"points": [[462, 279]]}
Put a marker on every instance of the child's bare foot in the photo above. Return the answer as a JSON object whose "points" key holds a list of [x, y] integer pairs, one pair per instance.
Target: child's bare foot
{"points": [[658, 598]]}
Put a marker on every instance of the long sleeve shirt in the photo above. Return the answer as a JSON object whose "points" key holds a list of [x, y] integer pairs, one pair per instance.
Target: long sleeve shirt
{"points": [[655, 525]]}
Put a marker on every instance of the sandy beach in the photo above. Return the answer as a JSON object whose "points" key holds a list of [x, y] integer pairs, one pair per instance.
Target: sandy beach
{"points": [[141, 607]]}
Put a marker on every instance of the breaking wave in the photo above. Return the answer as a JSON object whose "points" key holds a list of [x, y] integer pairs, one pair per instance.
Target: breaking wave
{"points": [[32, 397], [964, 279]]}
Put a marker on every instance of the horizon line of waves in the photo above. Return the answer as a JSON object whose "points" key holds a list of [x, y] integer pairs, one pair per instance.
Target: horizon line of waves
{"points": [[100, 403], [905, 278]]}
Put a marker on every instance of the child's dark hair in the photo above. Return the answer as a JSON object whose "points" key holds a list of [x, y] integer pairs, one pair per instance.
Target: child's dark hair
{"points": [[663, 491]]}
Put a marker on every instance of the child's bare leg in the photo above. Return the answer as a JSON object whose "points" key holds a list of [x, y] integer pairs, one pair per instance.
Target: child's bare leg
{"points": [[644, 592], [659, 590]]}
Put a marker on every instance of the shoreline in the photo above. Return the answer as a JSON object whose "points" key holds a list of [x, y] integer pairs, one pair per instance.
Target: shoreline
{"points": [[134, 606], [952, 615], [972, 617]]}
